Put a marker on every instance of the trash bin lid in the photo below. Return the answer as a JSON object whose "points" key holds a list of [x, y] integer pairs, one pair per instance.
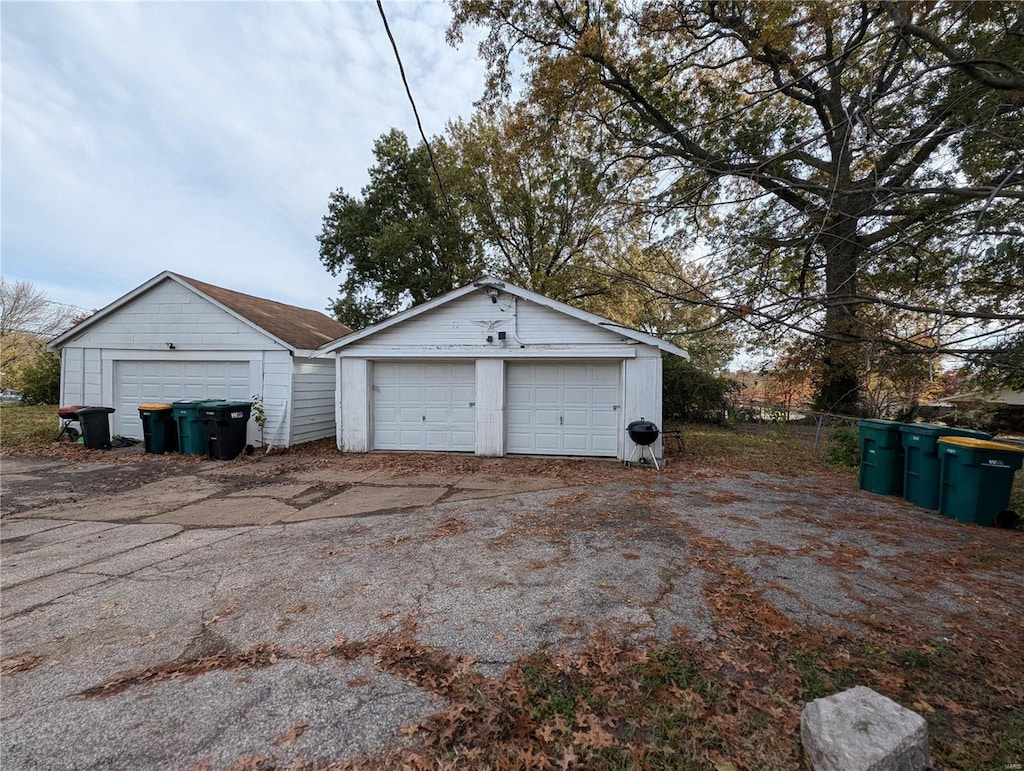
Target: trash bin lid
{"points": [[979, 444], [154, 406], [95, 410], [891, 425], [934, 429]]}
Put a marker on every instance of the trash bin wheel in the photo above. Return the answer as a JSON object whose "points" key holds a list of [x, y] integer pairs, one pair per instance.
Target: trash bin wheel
{"points": [[1007, 519]]}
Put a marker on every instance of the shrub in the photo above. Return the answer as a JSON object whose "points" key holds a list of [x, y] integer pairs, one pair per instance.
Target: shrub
{"points": [[39, 380], [692, 395], [844, 447]]}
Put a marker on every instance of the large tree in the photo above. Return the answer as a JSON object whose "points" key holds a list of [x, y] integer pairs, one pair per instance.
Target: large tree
{"points": [[400, 243], [544, 200], [832, 156], [28, 319]]}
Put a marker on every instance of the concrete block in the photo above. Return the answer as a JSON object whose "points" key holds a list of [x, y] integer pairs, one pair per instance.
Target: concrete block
{"points": [[861, 730]]}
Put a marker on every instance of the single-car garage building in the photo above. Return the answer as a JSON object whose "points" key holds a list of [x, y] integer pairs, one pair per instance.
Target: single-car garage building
{"points": [[495, 369], [176, 338]]}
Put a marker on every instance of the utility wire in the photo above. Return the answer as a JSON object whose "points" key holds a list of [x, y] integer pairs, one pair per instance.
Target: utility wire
{"points": [[419, 124]]}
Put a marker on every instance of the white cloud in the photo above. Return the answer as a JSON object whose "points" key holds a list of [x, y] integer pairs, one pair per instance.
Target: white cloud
{"points": [[203, 138]]}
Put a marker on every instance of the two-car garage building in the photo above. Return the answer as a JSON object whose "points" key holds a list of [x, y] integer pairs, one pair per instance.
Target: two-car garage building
{"points": [[495, 369]]}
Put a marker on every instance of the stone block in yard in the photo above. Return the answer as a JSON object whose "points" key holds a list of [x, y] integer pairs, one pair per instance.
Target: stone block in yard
{"points": [[862, 730]]}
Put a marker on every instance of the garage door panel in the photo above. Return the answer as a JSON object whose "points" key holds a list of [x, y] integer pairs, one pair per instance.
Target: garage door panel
{"points": [[563, 408], [576, 418], [576, 443], [424, 406], [146, 382], [545, 418], [464, 393], [464, 415]]}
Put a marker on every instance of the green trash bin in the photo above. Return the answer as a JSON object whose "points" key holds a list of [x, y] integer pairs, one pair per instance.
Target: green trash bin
{"points": [[921, 468], [977, 479], [158, 431], [881, 456], [190, 427]]}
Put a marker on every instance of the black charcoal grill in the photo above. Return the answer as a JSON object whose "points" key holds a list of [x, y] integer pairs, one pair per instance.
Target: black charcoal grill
{"points": [[643, 433]]}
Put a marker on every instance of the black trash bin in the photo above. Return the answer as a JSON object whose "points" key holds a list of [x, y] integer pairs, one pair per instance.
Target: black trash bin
{"points": [[225, 428], [95, 424]]}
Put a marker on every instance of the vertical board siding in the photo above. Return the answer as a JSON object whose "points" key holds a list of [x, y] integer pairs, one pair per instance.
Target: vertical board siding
{"points": [[72, 382], [92, 379], [277, 394], [354, 431], [643, 397], [490, 407], [312, 399]]}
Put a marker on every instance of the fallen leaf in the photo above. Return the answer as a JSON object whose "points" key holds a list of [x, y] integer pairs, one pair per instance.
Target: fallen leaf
{"points": [[292, 735]]}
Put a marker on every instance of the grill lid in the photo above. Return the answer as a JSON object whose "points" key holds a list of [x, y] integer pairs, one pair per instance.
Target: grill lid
{"points": [[643, 431]]}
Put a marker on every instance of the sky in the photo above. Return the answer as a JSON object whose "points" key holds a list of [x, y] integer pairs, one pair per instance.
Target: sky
{"points": [[203, 137]]}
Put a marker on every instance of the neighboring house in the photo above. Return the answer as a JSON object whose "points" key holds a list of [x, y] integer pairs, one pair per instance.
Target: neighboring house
{"points": [[999, 411], [495, 369], [175, 338]]}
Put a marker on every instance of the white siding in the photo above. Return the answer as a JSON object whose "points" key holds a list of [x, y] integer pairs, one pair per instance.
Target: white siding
{"points": [[642, 393], [490, 407], [92, 378], [170, 313], [72, 377], [354, 431], [466, 322], [276, 375], [312, 399]]}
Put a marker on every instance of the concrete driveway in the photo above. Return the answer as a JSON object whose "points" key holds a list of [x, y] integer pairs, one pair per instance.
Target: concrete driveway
{"points": [[199, 613]]}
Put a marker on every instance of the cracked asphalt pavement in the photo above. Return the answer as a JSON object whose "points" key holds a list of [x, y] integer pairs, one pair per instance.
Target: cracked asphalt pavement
{"points": [[176, 577]]}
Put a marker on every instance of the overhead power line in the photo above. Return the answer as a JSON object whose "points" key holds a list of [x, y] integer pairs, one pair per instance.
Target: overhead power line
{"points": [[415, 112]]}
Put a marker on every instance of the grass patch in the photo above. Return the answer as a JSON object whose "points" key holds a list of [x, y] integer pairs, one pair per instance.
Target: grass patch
{"points": [[27, 425], [759, 448]]}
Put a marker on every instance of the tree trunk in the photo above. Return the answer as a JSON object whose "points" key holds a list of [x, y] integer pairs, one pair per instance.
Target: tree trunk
{"points": [[840, 387]]}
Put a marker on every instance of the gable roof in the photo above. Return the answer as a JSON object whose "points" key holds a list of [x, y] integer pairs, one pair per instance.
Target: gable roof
{"points": [[293, 327], [525, 294]]}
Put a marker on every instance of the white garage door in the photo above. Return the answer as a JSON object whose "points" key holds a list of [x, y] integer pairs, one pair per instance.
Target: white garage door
{"points": [[563, 409], [148, 382], [424, 406]]}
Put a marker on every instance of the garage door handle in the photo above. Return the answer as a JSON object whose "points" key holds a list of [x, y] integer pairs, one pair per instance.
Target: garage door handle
{"points": [[559, 420], [424, 418]]}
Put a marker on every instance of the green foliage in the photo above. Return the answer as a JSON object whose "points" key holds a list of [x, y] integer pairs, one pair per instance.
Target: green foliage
{"points": [[259, 414], [1002, 366], [693, 396], [398, 244], [39, 379], [843, 447], [542, 201], [840, 164]]}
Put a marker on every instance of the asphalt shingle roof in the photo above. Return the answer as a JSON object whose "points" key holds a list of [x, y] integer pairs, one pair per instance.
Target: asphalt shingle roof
{"points": [[300, 327]]}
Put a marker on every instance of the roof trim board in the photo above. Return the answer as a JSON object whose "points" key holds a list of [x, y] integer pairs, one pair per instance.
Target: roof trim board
{"points": [[504, 286], [187, 283]]}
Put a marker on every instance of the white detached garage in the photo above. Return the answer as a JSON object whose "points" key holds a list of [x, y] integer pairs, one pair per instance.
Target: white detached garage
{"points": [[495, 369], [176, 338]]}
